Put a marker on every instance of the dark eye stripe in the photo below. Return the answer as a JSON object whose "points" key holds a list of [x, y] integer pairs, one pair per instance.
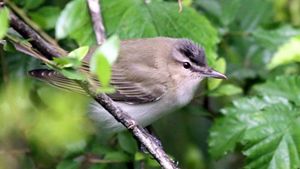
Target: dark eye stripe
{"points": [[195, 53]]}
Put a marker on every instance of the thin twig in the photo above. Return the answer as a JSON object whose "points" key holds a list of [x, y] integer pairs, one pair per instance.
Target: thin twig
{"points": [[95, 12]]}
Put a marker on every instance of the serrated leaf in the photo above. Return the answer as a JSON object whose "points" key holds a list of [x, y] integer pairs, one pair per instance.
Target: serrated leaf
{"points": [[127, 142], [287, 53], [267, 128], [4, 18], [283, 86]]}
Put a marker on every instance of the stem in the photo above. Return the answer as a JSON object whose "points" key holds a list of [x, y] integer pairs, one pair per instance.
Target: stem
{"points": [[95, 12]]}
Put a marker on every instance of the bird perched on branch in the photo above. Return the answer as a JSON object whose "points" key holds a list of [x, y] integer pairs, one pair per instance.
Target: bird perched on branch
{"points": [[152, 77]]}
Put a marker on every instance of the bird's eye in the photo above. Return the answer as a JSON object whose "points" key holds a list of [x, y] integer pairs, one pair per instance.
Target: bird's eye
{"points": [[186, 65]]}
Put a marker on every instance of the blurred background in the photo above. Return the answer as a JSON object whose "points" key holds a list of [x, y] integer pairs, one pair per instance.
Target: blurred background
{"points": [[252, 41]]}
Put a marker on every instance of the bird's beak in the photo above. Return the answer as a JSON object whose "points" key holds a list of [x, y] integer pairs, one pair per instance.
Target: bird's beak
{"points": [[209, 72]]}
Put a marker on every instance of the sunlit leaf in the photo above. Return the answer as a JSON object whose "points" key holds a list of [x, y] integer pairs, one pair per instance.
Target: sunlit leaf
{"points": [[219, 65], [274, 38], [101, 67], [110, 49], [287, 53], [67, 62], [75, 21], [79, 53], [68, 164], [101, 61], [4, 18], [226, 90], [72, 74], [59, 121]]}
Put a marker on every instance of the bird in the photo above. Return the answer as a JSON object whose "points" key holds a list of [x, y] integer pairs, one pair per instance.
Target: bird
{"points": [[151, 76]]}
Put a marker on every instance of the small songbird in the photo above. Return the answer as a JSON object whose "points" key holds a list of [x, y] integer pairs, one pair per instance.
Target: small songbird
{"points": [[152, 77]]}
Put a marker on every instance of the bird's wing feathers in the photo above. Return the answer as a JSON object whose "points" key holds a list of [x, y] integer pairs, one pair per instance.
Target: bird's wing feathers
{"points": [[126, 90]]}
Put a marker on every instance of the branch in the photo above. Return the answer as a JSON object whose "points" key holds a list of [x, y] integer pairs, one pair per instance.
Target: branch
{"points": [[50, 51], [95, 12], [32, 24], [35, 39], [139, 132]]}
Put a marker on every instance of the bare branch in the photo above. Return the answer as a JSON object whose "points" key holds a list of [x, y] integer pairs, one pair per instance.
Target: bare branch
{"points": [[32, 24], [95, 12], [35, 39]]}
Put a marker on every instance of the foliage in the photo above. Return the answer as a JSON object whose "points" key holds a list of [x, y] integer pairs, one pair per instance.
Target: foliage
{"points": [[4, 22], [266, 126], [249, 121]]}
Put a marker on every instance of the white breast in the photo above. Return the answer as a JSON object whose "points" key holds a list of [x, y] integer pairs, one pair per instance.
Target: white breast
{"points": [[145, 114]]}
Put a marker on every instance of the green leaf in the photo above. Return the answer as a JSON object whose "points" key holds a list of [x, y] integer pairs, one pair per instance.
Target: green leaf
{"points": [[100, 66], [46, 17], [68, 164], [117, 156], [219, 65], [230, 8], [72, 74], [67, 62], [101, 60], [266, 128], [127, 142], [79, 53], [274, 38], [31, 4], [73, 59], [135, 19], [249, 19], [74, 21], [4, 18], [110, 49], [226, 90], [287, 53], [282, 86]]}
